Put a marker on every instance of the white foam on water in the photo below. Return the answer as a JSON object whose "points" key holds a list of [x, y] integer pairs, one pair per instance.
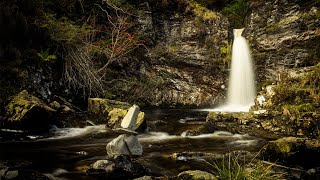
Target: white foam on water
{"points": [[244, 142], [162, 136], [34, 137], [61, 133], [156, 136], [185, 120], [12, 130]]}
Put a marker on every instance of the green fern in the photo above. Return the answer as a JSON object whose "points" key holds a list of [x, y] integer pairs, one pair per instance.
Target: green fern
{"points": [[45, 56]]}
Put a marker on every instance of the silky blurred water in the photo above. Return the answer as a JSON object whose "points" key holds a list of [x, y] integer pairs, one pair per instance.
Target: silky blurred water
{"points": [[70, 148]]}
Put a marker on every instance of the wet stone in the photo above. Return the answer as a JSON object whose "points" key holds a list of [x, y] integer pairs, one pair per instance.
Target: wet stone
{"points": [[196, 174], [11, 174], [122, 167]]}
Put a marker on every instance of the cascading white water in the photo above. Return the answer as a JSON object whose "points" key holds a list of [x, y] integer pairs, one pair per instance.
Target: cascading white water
{"points": [[241, 90]]}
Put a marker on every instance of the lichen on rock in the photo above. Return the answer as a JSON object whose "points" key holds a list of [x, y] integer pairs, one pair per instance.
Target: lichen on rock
{"points": [[27, 112], [196, 175]]}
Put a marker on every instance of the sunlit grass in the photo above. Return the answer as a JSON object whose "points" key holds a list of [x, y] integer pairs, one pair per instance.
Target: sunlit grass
{"points": [[233, 168]]}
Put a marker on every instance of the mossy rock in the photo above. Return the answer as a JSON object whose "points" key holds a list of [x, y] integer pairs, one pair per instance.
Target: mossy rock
{"points": [[230, 117], [64, 102], [116, 115], [219, 116], [196, 175], [55, 105], [292, 150], [99, 108], [282, 148], [27, 112], [102, 106]]}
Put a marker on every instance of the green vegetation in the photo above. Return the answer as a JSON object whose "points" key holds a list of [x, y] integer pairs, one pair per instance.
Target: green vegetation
{"points": [[45, 56], [229, 169], [237, 11], [202, 11], [226, 52], [91, 43], [232, 168], [300, 95], [63, 30]]}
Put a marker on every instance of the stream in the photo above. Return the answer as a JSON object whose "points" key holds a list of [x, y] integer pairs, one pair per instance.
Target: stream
{"points": [[68, 150]]}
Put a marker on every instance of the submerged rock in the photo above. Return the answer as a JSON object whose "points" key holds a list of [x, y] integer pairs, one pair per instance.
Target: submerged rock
{"points": [[185, 156], [196, 175], [122, 167], [15, 169], [27, 112]]}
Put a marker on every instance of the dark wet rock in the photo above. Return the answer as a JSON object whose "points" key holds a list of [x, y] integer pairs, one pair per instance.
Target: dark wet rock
{"points": [[32, 175], [294, 151], [27, 112], [184, 156], [161, 126], [78, 119], [267, 124], [55, 105], [66, 109], [313, 173], [145, 178], [241, 123], [65, 104], [15, 169], [14, 164], [152, 178], [196, 175], [206, 128], [11, 174], [122, 167], [3, 171]]}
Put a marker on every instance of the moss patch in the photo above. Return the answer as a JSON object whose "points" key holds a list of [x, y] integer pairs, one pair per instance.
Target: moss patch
{"points": [[296, 96], [21, 104]]}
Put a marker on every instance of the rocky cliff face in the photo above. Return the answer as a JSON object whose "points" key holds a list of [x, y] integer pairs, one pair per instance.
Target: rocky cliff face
{"points": [[189, 50], [284, 34], [189, 53], [187, 56]]}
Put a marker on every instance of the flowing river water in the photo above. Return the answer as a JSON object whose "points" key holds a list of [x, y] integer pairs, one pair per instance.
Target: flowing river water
{"points": [[67, 150]]}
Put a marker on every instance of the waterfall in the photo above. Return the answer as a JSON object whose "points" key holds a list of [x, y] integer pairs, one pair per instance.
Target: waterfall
{"points": [[241, 89]]}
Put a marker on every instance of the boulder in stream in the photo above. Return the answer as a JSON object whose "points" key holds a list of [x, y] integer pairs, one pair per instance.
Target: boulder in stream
{"points": [[294, 151], [122, 167], [116, 115], [27, 112], [196, 175], [100, 106], [124, 144]]}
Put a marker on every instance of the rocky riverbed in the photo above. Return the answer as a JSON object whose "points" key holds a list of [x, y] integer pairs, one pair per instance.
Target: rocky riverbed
{"points": [[177, 143]]}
